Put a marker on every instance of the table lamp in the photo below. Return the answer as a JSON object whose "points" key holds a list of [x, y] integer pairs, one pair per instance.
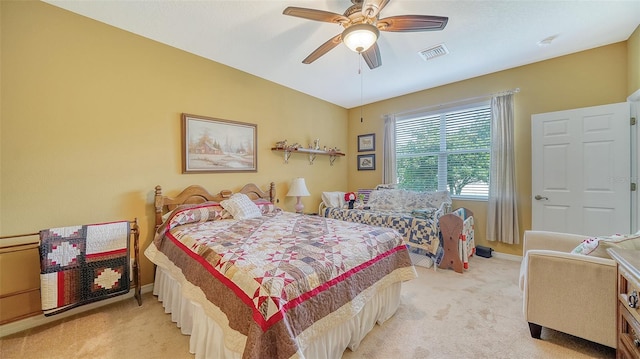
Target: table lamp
{"points": [[298, 189]]}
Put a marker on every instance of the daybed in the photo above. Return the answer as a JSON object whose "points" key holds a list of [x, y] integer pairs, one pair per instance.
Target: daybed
{"points": [[416, 216], [271, 284]]}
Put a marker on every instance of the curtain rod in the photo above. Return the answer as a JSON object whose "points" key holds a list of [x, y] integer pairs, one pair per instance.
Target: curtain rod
{"points": [[482, 97]]}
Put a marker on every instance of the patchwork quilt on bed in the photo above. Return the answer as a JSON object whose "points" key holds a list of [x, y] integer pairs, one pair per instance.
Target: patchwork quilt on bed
{"points": [[279, 273], [419, 233], [83, 264]]}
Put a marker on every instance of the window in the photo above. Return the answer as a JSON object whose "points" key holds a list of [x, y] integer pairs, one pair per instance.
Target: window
{"points": [[447, 150]]}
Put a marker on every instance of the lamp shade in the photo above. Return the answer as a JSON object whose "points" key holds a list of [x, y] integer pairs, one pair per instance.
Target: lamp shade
{"points": [[298, 188], [360, 37]]}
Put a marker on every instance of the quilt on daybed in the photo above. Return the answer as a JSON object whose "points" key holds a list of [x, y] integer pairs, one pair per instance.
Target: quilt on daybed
{"points": [[279, 273], [419, 233]]}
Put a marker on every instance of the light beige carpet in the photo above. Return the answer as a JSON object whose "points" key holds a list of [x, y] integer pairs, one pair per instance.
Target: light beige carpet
{"points": [[443, 314]]}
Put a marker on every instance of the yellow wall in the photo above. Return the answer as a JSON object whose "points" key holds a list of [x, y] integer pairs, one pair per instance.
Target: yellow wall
{"points": [[91, 123], [633, 62], [90, 120], [588, 78]]}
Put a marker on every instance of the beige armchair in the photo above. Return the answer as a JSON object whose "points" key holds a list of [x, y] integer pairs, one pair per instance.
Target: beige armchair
{"points": [[570, 293]]}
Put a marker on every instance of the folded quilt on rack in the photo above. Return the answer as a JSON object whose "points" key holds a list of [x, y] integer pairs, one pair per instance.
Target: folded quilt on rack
{"points": [[83, 264]]}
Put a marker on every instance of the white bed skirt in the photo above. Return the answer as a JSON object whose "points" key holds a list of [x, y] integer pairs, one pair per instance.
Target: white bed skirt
{"points": [[209, 339]]}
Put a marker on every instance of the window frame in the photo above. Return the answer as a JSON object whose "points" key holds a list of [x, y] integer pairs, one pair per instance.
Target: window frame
{"points": [[442, 152]]}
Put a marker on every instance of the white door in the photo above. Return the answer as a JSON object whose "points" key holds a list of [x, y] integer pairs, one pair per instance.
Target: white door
{"points": [[581, 170]]}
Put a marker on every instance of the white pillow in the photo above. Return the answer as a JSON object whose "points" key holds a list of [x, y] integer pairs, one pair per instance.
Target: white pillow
{"points": [[333, 199], [241, 206], [597, 246]]}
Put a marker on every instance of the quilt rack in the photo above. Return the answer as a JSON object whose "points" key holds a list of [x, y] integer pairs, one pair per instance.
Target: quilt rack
{"points": [[134, 233]]}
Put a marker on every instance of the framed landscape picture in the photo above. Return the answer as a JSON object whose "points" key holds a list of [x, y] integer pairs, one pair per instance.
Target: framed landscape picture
{"points": [[215, 145], [367, 142], [366, 162]]}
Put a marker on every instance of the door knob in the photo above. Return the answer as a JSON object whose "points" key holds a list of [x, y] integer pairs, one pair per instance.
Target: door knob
{"points": [[539, 197]]}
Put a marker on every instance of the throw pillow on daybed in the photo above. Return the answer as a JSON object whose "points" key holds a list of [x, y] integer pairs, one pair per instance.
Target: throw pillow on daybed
{"points": [[241, 206], [364, 194], [387, 200], [597, 246], [427, 199], [333, 199]]}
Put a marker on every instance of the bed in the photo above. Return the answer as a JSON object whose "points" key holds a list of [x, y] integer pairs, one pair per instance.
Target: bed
{"points": [[273, 285]]}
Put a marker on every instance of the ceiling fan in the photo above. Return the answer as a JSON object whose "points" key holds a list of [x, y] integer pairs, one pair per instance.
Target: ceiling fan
{"points": [[362, 27]]}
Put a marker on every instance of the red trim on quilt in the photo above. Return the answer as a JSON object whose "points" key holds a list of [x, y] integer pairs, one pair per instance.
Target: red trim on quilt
{"points": [[60, 277], [102, 254], [257, 316]]}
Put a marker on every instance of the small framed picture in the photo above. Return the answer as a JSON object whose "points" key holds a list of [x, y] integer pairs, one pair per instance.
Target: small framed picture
{"points": [[367, 142], [366, 162]]}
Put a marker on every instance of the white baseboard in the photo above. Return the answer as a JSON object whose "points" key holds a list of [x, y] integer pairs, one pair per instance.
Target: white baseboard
{"points": [[511, 257], [38, 320]]}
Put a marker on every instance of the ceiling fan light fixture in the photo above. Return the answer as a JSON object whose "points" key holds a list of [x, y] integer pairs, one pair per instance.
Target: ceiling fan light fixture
{"points": [[360, 37]]}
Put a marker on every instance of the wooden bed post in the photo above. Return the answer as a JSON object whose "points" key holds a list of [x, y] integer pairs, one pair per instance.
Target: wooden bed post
{"points": [[272, 192], [158, 205], [135, 231]]}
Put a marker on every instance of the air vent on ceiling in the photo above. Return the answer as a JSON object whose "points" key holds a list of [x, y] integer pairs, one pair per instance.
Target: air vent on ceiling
{"points": [[433, 52]]}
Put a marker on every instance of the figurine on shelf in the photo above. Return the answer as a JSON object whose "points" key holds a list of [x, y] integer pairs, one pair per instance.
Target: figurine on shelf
{"points": [[316, 144], [281, 144]]}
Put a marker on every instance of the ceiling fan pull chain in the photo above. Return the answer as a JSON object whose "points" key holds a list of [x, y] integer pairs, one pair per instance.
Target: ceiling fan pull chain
{"points": [[361, 88]]}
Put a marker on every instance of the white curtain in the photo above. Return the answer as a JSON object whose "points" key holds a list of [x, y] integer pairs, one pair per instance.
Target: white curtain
{"points": [[389, 148], [502, 214]]}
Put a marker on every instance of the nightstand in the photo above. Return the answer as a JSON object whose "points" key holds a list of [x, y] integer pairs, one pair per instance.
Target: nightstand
{"points": [[628, 312]]}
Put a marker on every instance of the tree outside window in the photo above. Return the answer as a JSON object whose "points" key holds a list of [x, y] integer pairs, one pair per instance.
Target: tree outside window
{"points": [[448, 150]]}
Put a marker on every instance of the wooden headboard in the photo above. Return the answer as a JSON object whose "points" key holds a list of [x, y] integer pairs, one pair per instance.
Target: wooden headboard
{"points": [[195, 194]]}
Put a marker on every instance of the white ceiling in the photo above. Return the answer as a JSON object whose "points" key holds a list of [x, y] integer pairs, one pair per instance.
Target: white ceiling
{"points": [[482, 37]]}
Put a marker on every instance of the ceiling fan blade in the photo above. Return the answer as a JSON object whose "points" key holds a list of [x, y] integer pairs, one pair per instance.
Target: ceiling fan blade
{"points": [[371, 8], [317, 15], [372, 56], [323, 49], [410, 23]]}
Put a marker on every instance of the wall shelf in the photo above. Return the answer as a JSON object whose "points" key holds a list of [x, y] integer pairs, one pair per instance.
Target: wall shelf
{"points": [[311, 152]]}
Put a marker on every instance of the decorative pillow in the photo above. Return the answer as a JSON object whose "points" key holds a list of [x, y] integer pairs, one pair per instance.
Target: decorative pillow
{"points": [[193, 213], [364, 193], [427, 199], [597, 246], [241, 206], [333, 199], [191, 205], [387, 200], [266, 207]]}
